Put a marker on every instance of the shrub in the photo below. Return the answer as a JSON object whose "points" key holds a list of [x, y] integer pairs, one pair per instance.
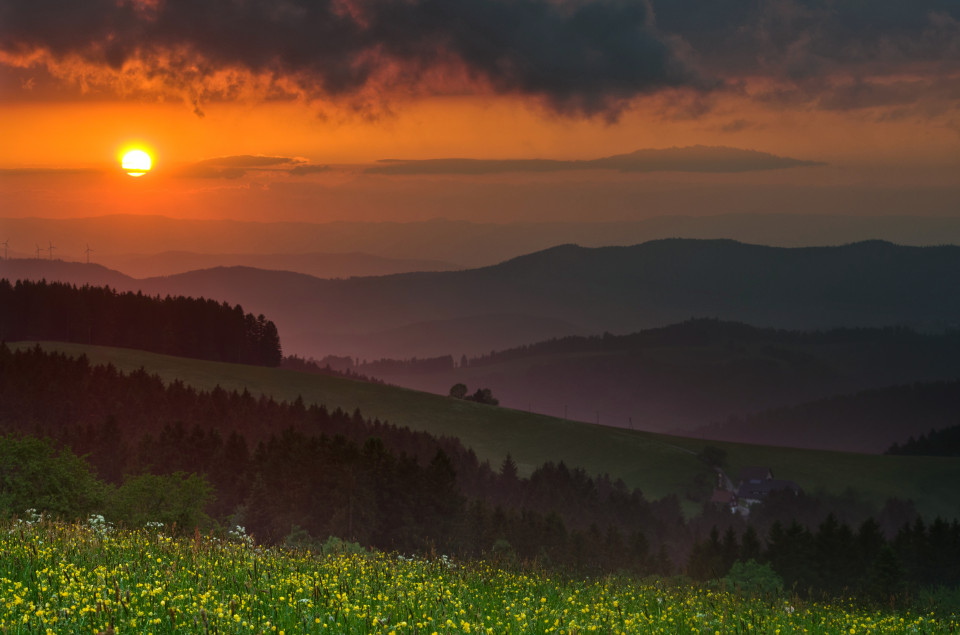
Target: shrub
{"points": [[752, 578], [33, 474]]}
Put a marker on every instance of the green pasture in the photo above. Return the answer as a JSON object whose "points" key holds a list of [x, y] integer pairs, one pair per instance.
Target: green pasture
{"points": [[657, 464]]}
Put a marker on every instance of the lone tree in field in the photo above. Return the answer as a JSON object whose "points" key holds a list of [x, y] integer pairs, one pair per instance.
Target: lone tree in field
{"points": [[484, 395]]}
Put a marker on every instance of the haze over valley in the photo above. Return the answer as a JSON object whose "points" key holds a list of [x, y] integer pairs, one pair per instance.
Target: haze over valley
{"points": [[764, 330]]}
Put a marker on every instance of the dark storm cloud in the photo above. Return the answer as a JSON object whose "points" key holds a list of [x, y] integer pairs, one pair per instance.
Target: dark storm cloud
{"points": [[802, 37], [690, 159], [805, 42], [581, 57]]}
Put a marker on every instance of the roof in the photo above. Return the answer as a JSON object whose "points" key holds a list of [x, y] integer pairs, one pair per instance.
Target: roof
{"points": [[723, 496], [748, 474]]}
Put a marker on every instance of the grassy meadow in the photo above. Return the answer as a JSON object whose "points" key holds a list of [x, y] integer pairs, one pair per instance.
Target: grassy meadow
{"points": [[91, 578], [658, 464]]}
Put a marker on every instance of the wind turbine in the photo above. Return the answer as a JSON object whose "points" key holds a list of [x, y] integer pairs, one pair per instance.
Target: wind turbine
{"points": [[87, 251], [51, 250], [38, 252], [5, 244]]}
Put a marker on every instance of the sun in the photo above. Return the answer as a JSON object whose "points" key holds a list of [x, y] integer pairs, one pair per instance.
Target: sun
{"points": [[136, 162]]}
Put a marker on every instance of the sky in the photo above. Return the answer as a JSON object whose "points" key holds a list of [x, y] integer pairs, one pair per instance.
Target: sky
{"points": [[488, 110]]}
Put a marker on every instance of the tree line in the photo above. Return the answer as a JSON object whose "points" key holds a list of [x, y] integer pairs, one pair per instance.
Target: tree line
{"points": [[299, 472], [943, 442], [314, 367], [700, 332], [181, 326], [833, 560]]}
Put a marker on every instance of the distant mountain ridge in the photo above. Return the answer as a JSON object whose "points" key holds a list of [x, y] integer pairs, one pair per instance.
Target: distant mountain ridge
{"points": [[615, 289], [467, 244], [320, 265]]}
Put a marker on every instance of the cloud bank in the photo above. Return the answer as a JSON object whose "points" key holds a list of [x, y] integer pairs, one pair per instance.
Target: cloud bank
{"points": [[579, 57], [236, 166], [835, 55], [689, 159]]}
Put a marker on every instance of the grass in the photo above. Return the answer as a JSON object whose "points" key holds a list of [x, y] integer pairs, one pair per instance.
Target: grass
{"points": [[74, 578], [658, 464]]}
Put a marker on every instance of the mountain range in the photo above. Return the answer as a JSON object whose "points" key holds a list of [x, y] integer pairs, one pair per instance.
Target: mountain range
{"points": [[120, 241], [568, 290]]}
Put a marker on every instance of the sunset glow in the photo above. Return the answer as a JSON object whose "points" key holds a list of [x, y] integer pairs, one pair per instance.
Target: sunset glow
{"points": [[856, 109], [136, 162]]}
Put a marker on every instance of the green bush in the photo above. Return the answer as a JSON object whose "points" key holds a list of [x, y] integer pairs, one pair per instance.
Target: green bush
{"points": [[338, 546], [176, 500], [35, 475], [753, 579]]}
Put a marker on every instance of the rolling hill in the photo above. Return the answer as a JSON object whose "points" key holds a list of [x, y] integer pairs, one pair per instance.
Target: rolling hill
{"points": [[658, 464], [615, 289], [689, 374], [870, 420]]}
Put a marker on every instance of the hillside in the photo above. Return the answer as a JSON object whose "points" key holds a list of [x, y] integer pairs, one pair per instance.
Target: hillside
{"points": [[615, 289], [283, 588], [871, 420], [187, 327], [658, 464], [687, 375]]}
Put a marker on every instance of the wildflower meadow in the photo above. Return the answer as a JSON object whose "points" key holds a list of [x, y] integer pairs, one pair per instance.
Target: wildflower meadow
{"points": [[92, 578]]}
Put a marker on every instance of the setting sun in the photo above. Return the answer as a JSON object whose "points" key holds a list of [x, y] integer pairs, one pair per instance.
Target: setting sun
{"points": [[136, 162]]}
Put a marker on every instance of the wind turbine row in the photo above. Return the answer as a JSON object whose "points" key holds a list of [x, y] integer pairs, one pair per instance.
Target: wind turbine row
{"points": [[50, 248]]}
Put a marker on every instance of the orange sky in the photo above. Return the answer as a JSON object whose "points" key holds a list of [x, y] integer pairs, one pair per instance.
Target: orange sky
{"points": [[885, 124], [90, 133], [65, 135]]}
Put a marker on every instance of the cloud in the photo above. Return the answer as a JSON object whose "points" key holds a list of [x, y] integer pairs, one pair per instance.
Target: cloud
{"points": [[235, 167], [302, 170], [47, 171], [581, 58], [689, 159], [737, 125], [829, 54], [804, 37]]}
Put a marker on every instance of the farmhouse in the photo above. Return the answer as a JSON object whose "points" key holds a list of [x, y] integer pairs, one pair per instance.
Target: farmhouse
{"points": [[725, 497], [757, 482], [754, 484]]}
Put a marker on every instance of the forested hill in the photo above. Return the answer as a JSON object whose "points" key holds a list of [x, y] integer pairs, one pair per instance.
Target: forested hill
{"points": [[296, 473], [710, 332], [568, 289], [684, 376], [943, 442], [282, 468], [186, 327]]}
